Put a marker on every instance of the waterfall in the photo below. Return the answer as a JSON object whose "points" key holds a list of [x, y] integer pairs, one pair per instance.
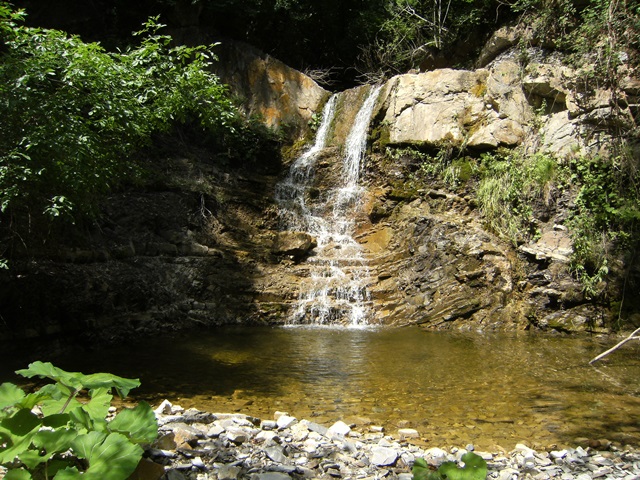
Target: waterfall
{"points": [[335, 292]]}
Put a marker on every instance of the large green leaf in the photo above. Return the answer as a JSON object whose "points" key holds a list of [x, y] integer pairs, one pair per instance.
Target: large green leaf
{"points": [[422, 471], [139, 423], [18, 474], [47, 392], [62, 405], [47, 370], [110, 457], [98, 406], [18, 430], [107, 380], [69, 473], [10, 394], [57, 420], [54, 441], [475, 468], [78, 380]]}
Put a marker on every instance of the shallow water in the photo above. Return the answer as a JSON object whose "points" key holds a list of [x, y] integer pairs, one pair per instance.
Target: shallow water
{"points": [[454, 388]]}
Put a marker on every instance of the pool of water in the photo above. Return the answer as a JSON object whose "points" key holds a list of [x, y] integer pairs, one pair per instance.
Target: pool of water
{"points": [[492, 390]]}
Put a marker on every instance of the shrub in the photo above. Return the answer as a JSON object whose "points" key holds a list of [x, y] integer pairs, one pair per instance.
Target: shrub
{"points": [[51, 433]]}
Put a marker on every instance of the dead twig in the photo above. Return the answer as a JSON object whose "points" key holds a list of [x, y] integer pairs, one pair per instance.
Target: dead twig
{"points": [[613, 349]]}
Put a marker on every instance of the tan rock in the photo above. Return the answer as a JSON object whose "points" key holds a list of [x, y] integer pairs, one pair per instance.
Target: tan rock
{"points": [[280, 96]]}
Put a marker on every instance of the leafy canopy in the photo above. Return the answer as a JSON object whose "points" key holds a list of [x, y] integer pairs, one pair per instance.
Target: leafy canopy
{"points": [[73, 115]]}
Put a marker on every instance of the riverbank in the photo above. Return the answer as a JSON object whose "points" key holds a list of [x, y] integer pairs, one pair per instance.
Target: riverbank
{"points": [[206, 446]]}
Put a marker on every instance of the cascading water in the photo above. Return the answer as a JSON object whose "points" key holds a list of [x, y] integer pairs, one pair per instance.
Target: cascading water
{"points": [[335, 291]]}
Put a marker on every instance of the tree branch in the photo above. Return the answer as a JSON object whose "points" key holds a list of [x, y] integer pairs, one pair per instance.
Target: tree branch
{"points": [[612, 349]]}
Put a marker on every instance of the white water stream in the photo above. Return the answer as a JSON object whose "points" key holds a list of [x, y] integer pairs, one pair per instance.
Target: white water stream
{"points": [[335, 291]]}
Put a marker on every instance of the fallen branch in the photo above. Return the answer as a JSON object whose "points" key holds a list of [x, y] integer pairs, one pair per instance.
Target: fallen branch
{"points": [[612, 349]]}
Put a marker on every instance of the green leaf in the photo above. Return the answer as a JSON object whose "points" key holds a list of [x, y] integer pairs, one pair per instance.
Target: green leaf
{"points": [[54, 441], [422, 471], [10, 394], [21, 423], [111, 457], [47, 370], [18, 430], [139, 423], [80, 381], [475, 468], [98, 406], [69, 473], [56, 406], [33, 399], [81, 418], [19, 474], [33, 458], [57, 420]]}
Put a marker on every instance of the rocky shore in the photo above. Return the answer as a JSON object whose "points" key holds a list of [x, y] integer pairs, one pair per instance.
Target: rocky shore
{"points": [[206, 446]]}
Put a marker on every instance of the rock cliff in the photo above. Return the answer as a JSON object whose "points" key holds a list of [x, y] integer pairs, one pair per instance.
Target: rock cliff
{"points": [[199, 244]]}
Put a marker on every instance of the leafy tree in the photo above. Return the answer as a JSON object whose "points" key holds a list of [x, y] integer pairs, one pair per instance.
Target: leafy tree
{"points": [[73, 115]]}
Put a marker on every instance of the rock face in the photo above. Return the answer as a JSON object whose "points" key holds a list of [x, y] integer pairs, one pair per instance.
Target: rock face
{"points": [[456, 107], [281, 97], [201, 244]]}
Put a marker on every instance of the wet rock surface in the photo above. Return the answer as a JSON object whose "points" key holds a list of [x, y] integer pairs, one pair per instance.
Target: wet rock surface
{"points": [[202, 446]]}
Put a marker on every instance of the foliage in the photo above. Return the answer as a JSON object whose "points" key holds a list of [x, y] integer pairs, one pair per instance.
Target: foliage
{"points": [[51, 433], [73, 115], [606, 216], [511, 183], [475, 468], [412, 30]]}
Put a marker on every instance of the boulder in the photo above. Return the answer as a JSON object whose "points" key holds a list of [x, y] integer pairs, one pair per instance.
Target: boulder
{"points": [[295, 244], [282, 97], [455, 107]]}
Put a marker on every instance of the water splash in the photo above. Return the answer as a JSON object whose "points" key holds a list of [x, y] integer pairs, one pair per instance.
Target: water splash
{"points": [[335, 292]]}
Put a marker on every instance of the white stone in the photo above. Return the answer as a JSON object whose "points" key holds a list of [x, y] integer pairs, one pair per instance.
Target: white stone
{"points": [[164, 408], [299, 432], [228, 472], [310, 445], [382, 456], [436, 455], [485, 455], [339, 428], [285, 421], [215, 431], [266, 436], [558, 453]]}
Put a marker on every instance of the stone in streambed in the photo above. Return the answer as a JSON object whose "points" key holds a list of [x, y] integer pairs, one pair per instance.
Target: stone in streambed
{"points": [[339, 428], [383, 456]]}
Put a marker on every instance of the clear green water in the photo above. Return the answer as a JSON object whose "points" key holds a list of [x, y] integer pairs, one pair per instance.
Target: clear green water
{"points": [[454, 388]]}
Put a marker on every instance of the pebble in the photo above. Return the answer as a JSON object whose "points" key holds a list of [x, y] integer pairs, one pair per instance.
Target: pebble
{"points": [[233, 446]]}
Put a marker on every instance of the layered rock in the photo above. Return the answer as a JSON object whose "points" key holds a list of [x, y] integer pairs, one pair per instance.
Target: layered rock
{"points": [[201, 245]]}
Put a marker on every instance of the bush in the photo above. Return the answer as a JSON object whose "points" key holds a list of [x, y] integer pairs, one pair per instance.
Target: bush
{"points": [[74, 115], [52, 434]]}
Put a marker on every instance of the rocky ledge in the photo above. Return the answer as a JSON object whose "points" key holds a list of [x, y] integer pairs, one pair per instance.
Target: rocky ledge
{"points": [[204, 446]]}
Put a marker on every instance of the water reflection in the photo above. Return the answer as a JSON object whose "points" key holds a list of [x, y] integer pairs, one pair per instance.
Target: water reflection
{"points": [[455, 388]]}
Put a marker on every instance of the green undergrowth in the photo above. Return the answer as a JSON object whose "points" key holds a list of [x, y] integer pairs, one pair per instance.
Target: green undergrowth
{"points": [[516, 192], [61, 431]]}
